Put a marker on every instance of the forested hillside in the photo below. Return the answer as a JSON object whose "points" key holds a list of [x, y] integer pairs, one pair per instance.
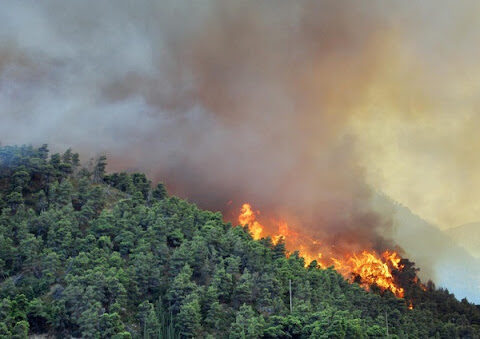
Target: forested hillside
{"points": [[94, 255]]}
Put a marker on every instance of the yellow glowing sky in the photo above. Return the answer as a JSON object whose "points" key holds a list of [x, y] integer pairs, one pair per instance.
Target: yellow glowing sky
{"points": [[419, 139]]}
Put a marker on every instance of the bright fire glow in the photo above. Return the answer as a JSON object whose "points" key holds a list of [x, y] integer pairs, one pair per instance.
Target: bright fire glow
{"points": [[371, 269], [366, 268], [247, 217]]}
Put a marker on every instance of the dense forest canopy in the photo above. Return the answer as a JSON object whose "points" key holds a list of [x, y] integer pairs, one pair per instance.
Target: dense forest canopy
{"points": [[88, 254]]}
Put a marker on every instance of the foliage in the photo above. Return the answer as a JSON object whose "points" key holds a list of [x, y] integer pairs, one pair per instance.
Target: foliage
{"points": [[94, 255]]}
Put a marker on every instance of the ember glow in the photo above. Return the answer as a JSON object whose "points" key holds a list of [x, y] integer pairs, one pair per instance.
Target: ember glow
{"points": [[366, 267]]}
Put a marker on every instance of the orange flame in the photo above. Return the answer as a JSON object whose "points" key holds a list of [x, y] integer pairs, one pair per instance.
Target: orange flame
{"points": [[371, 269], [366, 268], [247, 217]]}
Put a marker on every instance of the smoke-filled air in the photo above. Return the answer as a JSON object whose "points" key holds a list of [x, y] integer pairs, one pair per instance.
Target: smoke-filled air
{"points": [[348, 129]]}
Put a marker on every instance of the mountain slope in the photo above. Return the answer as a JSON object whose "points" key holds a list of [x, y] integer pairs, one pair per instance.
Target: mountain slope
{"points": [[92, 255], [467, 236], [439, 257]]}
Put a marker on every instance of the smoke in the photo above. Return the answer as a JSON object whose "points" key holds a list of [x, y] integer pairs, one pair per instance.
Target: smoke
{"points": [[300, 108]]}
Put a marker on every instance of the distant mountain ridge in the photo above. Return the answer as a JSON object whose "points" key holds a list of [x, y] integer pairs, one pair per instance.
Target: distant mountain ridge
{"points": [[439, 257], [467, 236]]}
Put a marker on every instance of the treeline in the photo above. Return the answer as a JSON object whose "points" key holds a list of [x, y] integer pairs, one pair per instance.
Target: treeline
{"points": [[94, 255]]}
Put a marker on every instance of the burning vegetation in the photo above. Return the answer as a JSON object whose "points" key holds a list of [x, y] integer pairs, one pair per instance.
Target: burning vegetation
{"points": [[367, 267]]}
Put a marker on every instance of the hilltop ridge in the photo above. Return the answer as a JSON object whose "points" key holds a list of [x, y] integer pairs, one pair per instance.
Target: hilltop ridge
{"points": [[467, 236]]}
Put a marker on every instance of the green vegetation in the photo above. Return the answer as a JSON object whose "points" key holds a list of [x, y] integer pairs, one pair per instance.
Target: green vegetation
{"points": [[92, 255]]}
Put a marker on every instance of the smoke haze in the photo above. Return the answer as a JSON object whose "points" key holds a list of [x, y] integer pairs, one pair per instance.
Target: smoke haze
{"points": [[303, 109]]}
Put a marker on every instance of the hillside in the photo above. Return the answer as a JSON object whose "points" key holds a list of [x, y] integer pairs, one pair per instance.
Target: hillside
{"points": [[467, 236], [94, 255], [439, 257]]}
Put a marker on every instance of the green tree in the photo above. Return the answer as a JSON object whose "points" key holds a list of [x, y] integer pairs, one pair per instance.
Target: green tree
{"points": [[189, 317], [160, 192], [247, 325], [181, 287], [20, 330], [99, 168]]}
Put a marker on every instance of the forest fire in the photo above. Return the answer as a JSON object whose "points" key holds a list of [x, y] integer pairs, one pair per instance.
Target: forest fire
{"points": [[366, 267]]}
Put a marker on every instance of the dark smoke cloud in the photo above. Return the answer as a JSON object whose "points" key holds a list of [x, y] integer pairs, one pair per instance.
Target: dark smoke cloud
{"points": [[223, 100]]}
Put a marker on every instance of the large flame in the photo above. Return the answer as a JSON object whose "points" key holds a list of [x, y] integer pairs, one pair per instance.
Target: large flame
{"points": [[247, 217], [366, 267]]}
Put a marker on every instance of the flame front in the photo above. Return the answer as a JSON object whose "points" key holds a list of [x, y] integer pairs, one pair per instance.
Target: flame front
{"points": [[247, 217], [367, 267], [371, 269]]}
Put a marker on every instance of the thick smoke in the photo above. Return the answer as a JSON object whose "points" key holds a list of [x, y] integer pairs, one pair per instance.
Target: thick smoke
{"points": [[267, 102]]}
